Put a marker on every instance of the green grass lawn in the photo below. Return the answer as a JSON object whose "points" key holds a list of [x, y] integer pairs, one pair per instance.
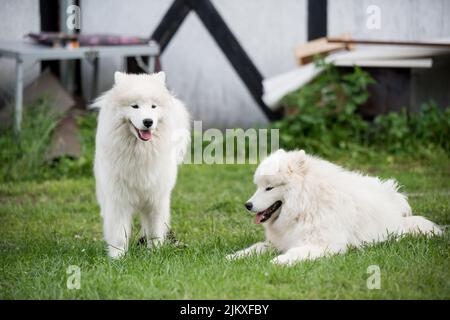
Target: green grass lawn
{"points": [[47, 226]]}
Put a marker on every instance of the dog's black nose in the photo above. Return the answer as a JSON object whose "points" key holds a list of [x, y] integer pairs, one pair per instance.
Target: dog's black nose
{"points": [[147, 123], [249, 205]]}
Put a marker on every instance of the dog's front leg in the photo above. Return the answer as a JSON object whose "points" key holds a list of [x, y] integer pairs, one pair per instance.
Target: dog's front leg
{"points": [[156, 223], [305, 252], [116, 229], [256, 249]]}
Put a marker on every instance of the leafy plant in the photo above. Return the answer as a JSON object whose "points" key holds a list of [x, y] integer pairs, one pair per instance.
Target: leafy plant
{"points": [[410, 132], [323, 113], [24, 157], [82, 166], [323, 118]]}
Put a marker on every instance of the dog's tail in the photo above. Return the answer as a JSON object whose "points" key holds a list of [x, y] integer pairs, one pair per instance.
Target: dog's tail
{"points": [[420, 225]]}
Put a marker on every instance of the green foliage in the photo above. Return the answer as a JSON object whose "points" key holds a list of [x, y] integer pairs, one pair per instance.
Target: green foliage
{"points": [[323, 113], [24, 157], [82, 166], [407, 132], [324, 119]]}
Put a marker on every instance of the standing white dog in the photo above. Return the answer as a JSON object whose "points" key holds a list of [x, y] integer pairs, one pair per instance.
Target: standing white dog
{"points": [[312, 208], [142, 135]]}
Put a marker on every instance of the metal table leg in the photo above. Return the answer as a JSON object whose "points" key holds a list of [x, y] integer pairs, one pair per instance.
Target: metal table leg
{"points": [[18, 97], [94, 88], [151, 64]]}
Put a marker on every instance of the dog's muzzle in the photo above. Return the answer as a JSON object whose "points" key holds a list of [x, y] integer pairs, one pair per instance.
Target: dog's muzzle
{"points": [[265, 215], [143, 134]]}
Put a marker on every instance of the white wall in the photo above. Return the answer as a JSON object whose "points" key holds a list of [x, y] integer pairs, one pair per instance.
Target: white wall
{"points": [[196, 68], [16, 19], [400, 19]]}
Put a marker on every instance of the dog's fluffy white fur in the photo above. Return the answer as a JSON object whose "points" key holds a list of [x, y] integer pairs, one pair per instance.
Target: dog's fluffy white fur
{"points": [[312, 208], [135, 160]]}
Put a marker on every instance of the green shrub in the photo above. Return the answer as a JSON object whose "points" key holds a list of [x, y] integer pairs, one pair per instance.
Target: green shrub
{"points": [[82, 166], [323, 113], [24, 158], [323, 118], [408, 132]]}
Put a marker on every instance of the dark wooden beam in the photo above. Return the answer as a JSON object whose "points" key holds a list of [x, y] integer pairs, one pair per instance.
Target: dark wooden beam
{"points": [[232, 49], [436, 44], [49, 16], [317, 19], [165, 30], [224, 38], [170, 23]]}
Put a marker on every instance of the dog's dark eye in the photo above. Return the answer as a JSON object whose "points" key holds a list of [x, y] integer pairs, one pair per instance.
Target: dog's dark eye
{"points": [[153, 106], [134, 106], [269, 188]]}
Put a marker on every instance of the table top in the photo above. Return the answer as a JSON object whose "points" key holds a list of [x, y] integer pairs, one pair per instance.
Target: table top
{"points": [[30, 50]]}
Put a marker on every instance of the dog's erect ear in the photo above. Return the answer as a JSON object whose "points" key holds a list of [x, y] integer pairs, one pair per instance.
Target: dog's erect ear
{"points": [[160, 76], [119, 76], [297, 162]]}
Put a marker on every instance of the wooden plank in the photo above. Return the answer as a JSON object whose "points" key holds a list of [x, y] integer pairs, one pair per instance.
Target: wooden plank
{"points": [[384, 63], [277, 87], [387, 42], [391, 53], [305, 53]]}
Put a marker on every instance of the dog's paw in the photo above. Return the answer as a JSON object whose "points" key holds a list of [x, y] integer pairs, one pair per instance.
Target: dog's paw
{"points": [[116, 253], [283, 260], [232, 256], [155, 243]]}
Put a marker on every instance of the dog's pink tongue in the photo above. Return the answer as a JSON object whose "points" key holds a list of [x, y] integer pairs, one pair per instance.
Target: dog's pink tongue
{"points": [[258, 218], [145, 134]]}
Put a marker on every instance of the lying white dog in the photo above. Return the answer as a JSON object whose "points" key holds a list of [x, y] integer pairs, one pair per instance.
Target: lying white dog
{"points": [[312, 208], [142, 134]]}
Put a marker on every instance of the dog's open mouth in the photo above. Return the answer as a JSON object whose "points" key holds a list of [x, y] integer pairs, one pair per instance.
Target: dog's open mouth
{"points": [[265, 215], [144, 135]]}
